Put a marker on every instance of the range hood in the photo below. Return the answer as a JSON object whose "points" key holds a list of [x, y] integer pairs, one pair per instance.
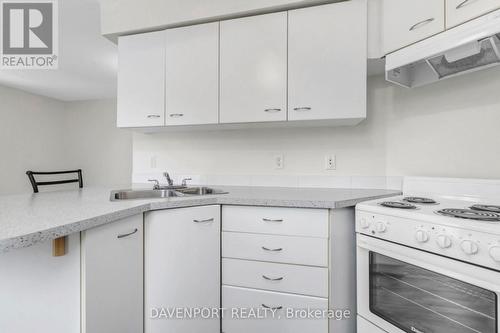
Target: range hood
{"points": [[469, 47]]}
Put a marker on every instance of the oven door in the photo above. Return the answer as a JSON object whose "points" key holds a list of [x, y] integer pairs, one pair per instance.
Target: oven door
{"points": [[401, 289]]}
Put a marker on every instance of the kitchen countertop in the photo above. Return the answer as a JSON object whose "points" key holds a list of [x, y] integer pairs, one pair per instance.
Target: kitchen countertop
{"points": [[27, 219]]}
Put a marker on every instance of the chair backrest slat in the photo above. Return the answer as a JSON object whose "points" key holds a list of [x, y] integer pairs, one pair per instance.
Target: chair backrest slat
{"points": [[35, 184]]}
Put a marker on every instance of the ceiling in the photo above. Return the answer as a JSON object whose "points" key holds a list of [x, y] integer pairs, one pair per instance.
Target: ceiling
{"points": [[87, 61]]}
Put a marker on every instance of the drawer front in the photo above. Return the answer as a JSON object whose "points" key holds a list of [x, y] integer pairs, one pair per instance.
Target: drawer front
{"points": [[408, 21], [283, 249], [460, 11], [276, 220], [242, 298], [302, 280]]}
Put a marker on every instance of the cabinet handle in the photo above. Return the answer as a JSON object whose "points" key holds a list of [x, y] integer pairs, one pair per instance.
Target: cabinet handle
{"points": [[463, 4], [176, 115], [204, 221], [271, 308], [421, 23], [271, 279], [303, 108], [153, 116], [279, 249], [126, 235], [272, 220], [272, 110]]}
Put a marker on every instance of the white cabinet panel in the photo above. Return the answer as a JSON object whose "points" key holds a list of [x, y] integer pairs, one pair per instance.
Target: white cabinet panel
{"points": [[304, 280], [327, 61], [253, 72], [272, 248], [192, 75], [112, 277], [182, 266], [242, 298], [408, 21], [276, 220], [460, 11], [141, 80]]}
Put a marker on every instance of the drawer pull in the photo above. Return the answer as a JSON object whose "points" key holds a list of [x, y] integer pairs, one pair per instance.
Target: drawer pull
{"points": [[272, 220], [176, 115], [304, 108], [421, 24], [204, 221], [271, 279], [272, 250], [153, 116], [129, 234], [272, 308], [272, 110], [463, 4]]}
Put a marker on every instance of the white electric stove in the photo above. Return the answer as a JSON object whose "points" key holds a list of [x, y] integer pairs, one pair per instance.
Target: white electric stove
{"points": [[429, 261]]}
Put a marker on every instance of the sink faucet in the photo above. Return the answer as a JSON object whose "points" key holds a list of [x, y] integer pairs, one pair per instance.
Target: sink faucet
{"points": [[156, 185], [169, 180]]}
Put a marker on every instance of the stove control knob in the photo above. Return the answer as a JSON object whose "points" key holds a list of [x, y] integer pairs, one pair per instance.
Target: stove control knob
{"points": [[495, 253], [422, 236], [365, 224], [443, 241], [469, 247], [381, 227]]}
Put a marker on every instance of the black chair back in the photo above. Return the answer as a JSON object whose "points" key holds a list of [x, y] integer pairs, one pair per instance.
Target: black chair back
{"points": [[35, 184]]}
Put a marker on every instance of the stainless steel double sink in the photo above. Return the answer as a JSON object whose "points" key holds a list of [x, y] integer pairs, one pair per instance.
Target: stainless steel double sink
{"points": [[163, 193]]}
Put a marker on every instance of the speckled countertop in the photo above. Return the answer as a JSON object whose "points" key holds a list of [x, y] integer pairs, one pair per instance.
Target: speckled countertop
{"points": [[27, 219]]}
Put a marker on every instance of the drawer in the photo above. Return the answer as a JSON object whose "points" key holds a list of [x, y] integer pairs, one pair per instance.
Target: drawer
{"points": [[302, 280], [242, 298], [276, 220], [272, 248], [460, 11], [405, 22]]}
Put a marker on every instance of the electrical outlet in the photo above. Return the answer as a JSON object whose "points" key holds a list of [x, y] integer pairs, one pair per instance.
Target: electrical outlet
{"points": [[330, 162], [279, 162], [152, 162]]}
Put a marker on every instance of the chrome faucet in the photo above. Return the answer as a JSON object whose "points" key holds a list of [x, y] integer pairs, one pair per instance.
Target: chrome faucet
{"points": [[170, 182], [156, 186]]}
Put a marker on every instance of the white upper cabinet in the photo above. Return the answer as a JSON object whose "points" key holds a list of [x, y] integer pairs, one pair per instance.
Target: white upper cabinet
{"points": [[405, 22], [460, 11], [327, 51], [192, 75], [253, 74], [141, 80]]}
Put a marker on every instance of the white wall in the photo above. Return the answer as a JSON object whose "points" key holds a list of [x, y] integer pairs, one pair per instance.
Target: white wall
{"points": [[94, 144], [446, 129], [31, 132]]}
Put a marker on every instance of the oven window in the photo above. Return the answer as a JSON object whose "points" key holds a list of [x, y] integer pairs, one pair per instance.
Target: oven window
{"points": [[417, 300]]}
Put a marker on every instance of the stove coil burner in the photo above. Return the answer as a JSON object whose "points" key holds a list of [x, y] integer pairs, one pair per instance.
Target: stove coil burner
{"points": [[470, 214], [398, 204], [486, 208], [420, 200]]}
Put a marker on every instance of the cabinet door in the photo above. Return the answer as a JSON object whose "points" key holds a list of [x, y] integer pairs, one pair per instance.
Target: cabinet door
{"points": [[112, 277], [253, 54], [460, 11], [141, 80], [408, 21], [182, 267], [192, 75], [326, 65]]}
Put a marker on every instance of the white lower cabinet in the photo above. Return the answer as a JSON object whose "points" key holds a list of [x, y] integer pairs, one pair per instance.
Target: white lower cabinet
{"points": [[282, 305], [112, 277], [182, 268]]}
